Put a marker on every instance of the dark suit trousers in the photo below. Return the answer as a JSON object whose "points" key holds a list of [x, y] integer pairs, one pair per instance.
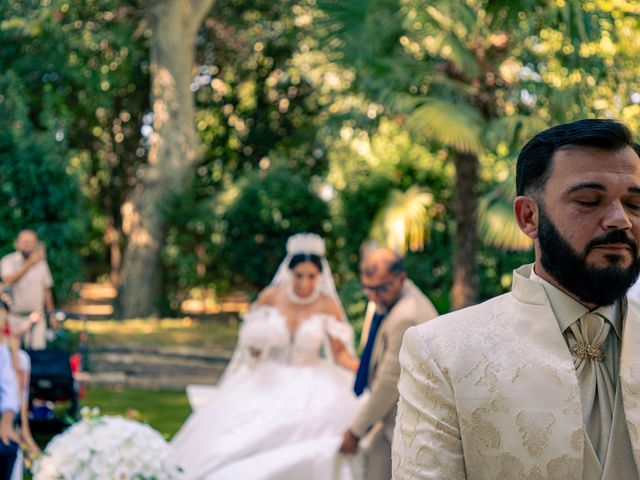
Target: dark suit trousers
{"points": [[7, 459]]}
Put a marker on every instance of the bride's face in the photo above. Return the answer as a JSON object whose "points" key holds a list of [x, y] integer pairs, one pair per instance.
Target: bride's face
{"points": [[305, 278]]}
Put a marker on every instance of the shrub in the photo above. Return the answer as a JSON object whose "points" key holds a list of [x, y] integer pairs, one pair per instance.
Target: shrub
{"points": [[270, 207]]}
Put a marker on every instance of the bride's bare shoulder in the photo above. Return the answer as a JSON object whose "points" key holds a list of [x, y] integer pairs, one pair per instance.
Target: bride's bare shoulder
{"points": [[330, 305], [269, 295]]}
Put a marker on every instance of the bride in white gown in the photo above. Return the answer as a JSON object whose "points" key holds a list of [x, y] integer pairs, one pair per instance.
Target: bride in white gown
{"points": [[283, 403]]}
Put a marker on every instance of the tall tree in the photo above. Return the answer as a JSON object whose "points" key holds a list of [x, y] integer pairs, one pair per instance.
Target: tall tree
{"points": [[477, 76], [173, 154]]}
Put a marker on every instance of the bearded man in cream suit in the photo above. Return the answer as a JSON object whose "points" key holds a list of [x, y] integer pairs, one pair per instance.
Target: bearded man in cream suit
{"points": [[399, 304], [542, 382]]}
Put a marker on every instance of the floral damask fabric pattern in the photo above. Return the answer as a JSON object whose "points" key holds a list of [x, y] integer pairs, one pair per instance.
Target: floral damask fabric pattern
{"points": [[490, 392]]}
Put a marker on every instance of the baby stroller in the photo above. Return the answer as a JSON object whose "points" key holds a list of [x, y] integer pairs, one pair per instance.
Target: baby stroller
{"points": [[53, 392], [53, 389]]}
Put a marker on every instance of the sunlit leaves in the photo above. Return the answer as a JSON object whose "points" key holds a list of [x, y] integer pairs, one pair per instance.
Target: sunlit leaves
{"points": [[496, 221], [458, 125], [513, 131], [405, 220]]}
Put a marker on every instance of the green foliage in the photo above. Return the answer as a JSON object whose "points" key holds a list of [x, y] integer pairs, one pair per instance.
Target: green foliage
{"points": [[256, 105], [405, 220], [164, 410], [495, 270], [360, 98], [358, 206], [368, 170], [36, 190], [82, 71], [432, 271], [269, 208], [457, 125], [257, 110], [484, 76]]}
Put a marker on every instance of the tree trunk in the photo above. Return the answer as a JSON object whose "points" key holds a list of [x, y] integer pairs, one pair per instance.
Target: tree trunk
{"points": [[465, 201], [172, 156]]}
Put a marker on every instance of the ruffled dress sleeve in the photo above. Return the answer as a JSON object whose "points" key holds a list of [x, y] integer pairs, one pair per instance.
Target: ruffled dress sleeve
{"points": [[341, 331]]}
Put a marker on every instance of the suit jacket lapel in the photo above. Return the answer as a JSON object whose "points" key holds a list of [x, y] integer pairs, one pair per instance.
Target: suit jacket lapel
{"points": [[378, 351], [541, 321], [535, 321]]}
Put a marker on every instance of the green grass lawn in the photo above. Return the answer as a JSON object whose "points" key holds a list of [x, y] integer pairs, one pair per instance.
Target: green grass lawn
{"points": [[165, 410], [221, 332]]}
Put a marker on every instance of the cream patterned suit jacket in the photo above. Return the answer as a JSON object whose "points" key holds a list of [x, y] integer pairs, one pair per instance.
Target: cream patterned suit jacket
{"points": [[490, 392], [412, 308]]}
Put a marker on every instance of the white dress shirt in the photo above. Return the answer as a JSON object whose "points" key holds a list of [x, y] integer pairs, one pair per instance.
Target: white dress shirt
{"points": [[9, 400]]}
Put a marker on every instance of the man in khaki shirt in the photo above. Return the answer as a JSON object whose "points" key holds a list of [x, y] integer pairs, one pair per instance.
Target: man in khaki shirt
{"points": [[27, 274]]}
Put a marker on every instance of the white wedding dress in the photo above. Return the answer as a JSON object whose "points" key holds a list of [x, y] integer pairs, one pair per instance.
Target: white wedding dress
{"points": [[280, 416]]}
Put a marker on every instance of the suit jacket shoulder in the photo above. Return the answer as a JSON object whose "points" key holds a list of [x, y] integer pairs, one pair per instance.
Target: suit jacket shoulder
{"points": [[497, 378], [413, 307]]}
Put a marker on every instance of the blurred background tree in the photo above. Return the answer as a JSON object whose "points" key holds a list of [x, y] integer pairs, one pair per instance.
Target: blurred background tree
{"points": [[36, 190], [173, 153], [398, 120], [479, 78]]}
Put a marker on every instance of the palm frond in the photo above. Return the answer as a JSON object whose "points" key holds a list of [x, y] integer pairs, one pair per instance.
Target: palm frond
{"points": [[345, 17], [449, 87], [405, 220], [458, 125], [496, 222], [367, 29], [461, 57], [463, 14], [579, 21], [402, 102], [514, 131], [505, 13]]}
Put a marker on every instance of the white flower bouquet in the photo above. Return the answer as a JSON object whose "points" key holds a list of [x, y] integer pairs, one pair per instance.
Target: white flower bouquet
{"points": [[106, 447]]}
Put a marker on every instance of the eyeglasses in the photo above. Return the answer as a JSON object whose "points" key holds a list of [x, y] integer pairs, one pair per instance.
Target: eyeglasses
{"points": [[382, 288]]}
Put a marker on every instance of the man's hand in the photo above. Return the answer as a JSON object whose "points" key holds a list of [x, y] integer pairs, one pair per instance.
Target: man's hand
{"points": [[53, 322], [337, 346], [35, 317], [36, 256], [7, 432], [4, 296], [349, 443]]}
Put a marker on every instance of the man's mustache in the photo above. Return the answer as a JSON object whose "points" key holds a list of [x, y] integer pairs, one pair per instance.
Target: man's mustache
{"points": [[615, 236]]}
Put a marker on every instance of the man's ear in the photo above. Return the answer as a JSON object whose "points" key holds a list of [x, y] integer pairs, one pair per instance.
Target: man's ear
{"points": [[527, 215]]}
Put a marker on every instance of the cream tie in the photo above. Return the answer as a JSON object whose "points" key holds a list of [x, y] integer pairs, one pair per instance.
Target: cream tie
{"points": [[587, 341]]}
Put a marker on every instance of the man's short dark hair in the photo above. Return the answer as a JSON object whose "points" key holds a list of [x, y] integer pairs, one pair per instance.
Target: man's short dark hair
{"points": [[534, 162]]}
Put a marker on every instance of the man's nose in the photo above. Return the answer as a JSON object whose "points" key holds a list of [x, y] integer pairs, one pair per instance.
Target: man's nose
{"points": [[616, 217], [374, 296]]}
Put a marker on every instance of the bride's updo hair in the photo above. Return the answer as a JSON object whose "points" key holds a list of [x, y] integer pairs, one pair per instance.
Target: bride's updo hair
{"points": [[305, 247], [299, 258]]}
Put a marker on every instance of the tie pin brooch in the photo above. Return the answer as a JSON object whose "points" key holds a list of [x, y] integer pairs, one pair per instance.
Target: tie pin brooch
{"points": [[585, 350]]}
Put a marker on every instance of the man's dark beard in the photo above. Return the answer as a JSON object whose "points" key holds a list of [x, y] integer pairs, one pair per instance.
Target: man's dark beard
{"points": [[595, 285]]}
